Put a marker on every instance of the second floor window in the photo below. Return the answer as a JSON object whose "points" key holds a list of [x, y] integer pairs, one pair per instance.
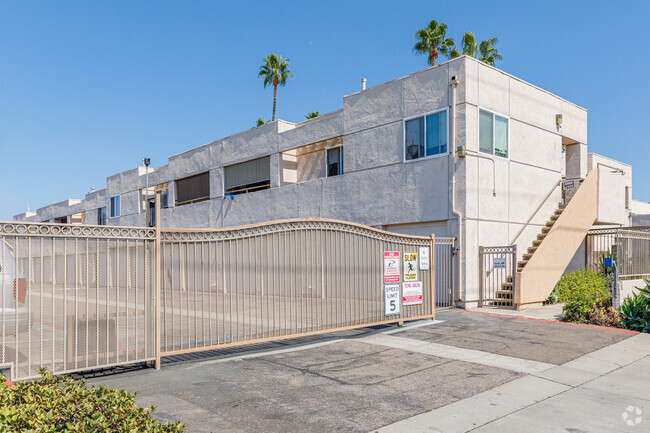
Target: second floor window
{"points": [[425, 135], [248, 176], [193, 189], [115, 206], [334, 161], [493, 134], [101, 216]]}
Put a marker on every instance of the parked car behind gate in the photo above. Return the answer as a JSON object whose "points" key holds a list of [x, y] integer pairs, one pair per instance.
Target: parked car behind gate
{"points": [[13, 296]]}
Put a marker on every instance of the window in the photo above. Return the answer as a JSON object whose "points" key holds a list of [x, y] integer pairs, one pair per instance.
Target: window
{"points": [[101, 216], [193, 189], [164, 200], [115, 206], [425, 136], [334, 161], [493, 134], [248, 176]]}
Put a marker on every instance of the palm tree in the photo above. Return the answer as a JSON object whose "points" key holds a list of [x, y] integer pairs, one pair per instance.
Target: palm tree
{"points": [[275, 71], [470, 47], [432, 40], [489, 54], [261, 122], [311, 115], [484, 51]]}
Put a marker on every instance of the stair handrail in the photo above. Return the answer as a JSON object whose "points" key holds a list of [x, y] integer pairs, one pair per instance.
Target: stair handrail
{"points": [[559, 182]]}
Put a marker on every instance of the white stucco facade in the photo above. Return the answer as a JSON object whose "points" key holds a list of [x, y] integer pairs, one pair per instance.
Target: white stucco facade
{"points": [[500, 200]]}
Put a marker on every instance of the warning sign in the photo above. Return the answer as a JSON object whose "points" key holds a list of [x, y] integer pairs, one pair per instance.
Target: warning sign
{"points": [[391, 299], [412, 293], [410, 266], [391, 266]]}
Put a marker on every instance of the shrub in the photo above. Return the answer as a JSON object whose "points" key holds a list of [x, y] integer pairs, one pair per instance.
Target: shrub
{"points": [[61, 404], [636, 310], [577, 282], [604, 314]]}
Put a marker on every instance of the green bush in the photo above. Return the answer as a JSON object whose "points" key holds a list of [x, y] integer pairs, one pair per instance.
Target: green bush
{"points": [[636, 310], [581, 291], [61, 404]]}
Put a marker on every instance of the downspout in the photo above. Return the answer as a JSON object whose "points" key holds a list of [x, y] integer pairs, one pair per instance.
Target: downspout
{"points": [[461, 274]]}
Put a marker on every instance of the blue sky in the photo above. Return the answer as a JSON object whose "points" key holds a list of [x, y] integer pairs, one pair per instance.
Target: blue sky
{"points": [[89, 88]]}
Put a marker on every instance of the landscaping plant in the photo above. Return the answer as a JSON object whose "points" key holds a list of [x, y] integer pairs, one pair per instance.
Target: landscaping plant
{"points": [[61, 404], [586, 295], [636, 310]]}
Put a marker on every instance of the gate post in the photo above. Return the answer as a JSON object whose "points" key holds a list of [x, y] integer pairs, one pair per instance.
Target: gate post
{"points": [[432, 276], [481, 278], [157, 277]]}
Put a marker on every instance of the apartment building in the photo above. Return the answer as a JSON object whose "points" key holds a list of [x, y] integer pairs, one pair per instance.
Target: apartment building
{"points": [[460, 149]]}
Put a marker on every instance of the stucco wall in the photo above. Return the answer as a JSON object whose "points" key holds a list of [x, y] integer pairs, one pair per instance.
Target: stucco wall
{"points": [[500, 195]]}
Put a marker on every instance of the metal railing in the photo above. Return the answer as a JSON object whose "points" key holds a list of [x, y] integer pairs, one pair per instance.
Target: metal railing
{"points": [[629, 246], [278, 280], [75, 297]]}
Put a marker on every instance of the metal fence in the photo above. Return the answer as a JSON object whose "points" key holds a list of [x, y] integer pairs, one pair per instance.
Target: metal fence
{"points": [[629, 246], [278, 280], [497, 273], [75, 297]]}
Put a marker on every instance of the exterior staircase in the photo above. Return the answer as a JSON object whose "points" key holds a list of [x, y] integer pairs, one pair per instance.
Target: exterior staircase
{"points": [[540, 237], [506, 295], [545, 261]]}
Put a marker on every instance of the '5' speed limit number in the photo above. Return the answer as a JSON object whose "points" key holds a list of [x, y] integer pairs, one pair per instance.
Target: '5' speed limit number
{"points": [[392, 299]]}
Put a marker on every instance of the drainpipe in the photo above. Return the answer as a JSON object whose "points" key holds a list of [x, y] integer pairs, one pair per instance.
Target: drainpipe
{"points": [[452, 134]]}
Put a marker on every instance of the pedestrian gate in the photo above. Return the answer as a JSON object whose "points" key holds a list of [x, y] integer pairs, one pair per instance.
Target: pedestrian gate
{"points": [[497, 273]]}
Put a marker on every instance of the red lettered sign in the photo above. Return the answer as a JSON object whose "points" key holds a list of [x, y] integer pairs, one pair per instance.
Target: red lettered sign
{"points": [[391, 266], [412, 293]]}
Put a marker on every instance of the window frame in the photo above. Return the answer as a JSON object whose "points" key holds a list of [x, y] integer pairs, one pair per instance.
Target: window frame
{"points": [[195, 200], [478, 136], [341, 163], [424, 115], [110, 206], [262, 186], [102, 221]]}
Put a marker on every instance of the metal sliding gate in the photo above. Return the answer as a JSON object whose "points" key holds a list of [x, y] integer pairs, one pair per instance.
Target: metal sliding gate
{"points": [[497, 273], [77, 297], [229, 287]]}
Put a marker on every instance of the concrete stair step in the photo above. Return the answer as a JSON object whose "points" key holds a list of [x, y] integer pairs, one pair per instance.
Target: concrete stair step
{"points": [[527, 256], [504, 294], [531, 250], [546, 229]]}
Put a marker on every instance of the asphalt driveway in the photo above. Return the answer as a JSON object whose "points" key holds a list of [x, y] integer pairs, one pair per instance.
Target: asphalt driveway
{"points": [[360, 383]]}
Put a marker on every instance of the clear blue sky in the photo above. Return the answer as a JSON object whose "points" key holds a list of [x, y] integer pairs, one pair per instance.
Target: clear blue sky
{"points": [[89, 88]]}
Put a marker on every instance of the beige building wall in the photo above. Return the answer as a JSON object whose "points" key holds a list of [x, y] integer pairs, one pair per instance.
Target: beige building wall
{"points": [[509, 200]]}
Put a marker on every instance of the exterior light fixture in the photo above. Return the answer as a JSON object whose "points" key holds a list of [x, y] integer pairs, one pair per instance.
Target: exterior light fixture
{"points": [[558, 120]]}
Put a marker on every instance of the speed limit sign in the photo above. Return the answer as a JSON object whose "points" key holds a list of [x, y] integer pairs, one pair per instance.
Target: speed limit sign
{"points": [[392, 299]]}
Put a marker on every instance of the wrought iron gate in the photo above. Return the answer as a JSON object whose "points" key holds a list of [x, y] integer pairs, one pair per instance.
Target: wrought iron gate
{"points": [[498, 270]]}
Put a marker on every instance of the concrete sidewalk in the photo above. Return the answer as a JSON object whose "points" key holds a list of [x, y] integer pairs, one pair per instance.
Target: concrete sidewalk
{"points": [[463, 371], [604, 391]]}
